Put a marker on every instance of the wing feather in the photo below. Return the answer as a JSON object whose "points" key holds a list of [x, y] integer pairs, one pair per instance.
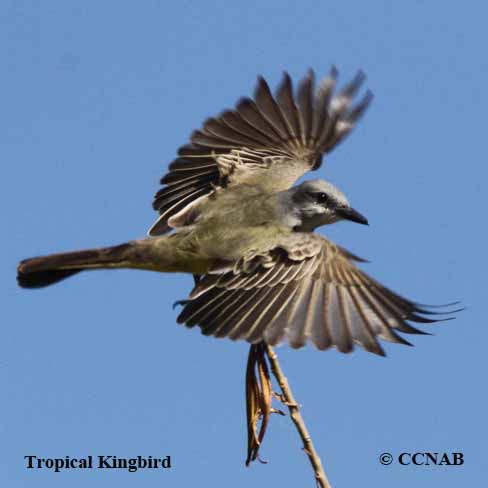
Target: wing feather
{"points": [[339, 332], [322, 101], [304, 289], [249, 111], [272, 140], [320, 332], [289, 110], [271, 313], [241, 329], [275, 328], [218, 128], [269, 109], [305, 103], [235, 121], [311, 313], [244, 308]]}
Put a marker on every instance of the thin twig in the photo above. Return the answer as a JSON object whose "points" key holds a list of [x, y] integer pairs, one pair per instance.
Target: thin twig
{"points": [[297, 419]]}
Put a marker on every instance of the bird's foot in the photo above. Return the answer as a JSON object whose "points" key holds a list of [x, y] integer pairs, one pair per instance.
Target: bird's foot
{"points": [[278, 411], [283, 400], [180, 302]]}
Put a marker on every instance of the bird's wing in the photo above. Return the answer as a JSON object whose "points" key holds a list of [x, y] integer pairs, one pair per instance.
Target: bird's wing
{"points": [[269, 140], [304, 289]]}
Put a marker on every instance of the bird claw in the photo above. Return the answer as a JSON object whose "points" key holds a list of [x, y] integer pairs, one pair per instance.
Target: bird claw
{"points": [[278, 396], [282, 399], [278, 411], [180, 302], [262, 461]]}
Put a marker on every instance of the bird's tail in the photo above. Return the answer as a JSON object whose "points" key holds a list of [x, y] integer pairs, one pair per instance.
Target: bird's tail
{"points": [[47, 270]]}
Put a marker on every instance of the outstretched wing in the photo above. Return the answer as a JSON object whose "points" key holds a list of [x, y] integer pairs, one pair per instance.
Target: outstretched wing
{"points": [[271, 140], [306, 289]]}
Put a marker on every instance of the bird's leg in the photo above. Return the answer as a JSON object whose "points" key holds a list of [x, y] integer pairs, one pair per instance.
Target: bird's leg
{"points": [[258, 400]]}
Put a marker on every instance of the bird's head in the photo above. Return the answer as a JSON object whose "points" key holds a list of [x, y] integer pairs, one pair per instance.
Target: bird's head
{"points": [[318, 202]]}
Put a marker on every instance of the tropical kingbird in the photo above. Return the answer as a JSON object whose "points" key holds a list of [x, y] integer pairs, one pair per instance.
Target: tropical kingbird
{"points": [[230, 216]]}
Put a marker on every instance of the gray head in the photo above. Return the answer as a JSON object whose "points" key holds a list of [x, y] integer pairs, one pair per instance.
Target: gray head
{"points": [[317, 202]]}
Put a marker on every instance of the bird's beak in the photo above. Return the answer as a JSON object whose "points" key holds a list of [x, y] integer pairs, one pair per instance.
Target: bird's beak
{"points": [[349, 213]]}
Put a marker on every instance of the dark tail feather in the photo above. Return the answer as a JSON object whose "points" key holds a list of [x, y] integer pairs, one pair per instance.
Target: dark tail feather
{"points": [[47, 270], [39, 279]]}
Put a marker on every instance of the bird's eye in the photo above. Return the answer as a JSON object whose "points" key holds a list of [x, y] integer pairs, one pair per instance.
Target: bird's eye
{"points": [[322, 197]]}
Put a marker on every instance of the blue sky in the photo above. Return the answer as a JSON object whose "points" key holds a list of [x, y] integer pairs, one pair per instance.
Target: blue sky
{"points": [[96, 98]]}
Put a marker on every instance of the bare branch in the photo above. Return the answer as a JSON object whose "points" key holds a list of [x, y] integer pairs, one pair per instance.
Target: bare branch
{"points": [[290, 402]]}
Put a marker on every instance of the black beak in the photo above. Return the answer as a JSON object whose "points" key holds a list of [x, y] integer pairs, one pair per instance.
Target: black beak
{"points": [[349, 213]]}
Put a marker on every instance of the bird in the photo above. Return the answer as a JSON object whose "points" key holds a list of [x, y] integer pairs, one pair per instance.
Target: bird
{"points": [[232, 215]]}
